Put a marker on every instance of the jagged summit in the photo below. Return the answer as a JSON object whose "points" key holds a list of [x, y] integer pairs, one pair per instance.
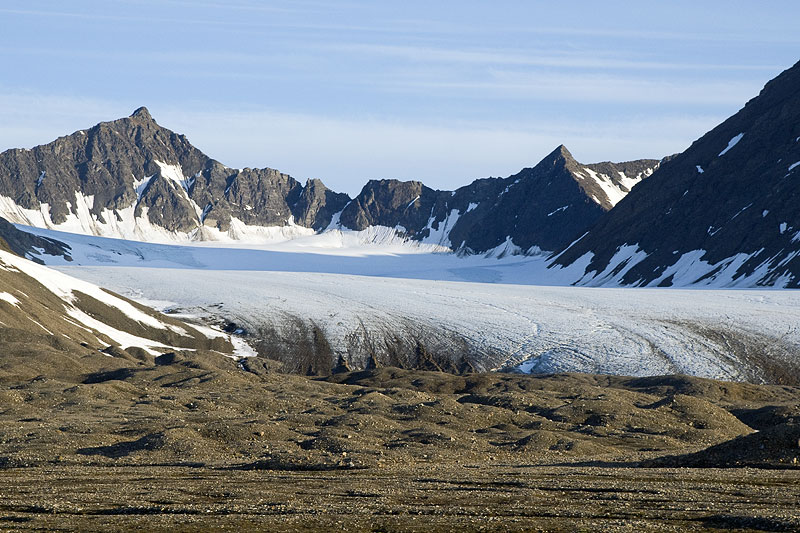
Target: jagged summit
{"points": [[540, 208], [604, 183], [560, 156], [563, 152], [142, 114]]}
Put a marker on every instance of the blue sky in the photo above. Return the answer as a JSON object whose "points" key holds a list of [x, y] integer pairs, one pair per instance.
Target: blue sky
{"points": [[440, 91]]}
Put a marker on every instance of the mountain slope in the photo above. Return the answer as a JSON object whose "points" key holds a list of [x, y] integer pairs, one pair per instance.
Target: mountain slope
{"points": [[539, 208], [724, 211], [51, 320]]}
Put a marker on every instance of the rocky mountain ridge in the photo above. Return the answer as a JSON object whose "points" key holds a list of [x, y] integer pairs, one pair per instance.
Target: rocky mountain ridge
{"points": [[131, 178], [538, 209]]}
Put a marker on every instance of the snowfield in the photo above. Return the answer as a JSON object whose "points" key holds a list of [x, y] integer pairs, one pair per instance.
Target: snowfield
{"points": [[497, 308]]}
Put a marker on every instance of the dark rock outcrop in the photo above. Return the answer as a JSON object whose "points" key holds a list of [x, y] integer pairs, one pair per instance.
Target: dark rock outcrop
{"points": [[26, 245]]}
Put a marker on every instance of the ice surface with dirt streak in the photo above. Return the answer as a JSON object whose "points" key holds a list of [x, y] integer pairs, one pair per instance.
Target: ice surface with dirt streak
{"points": [[495, 306]]}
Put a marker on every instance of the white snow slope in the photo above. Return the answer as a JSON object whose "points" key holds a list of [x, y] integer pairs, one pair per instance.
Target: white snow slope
{"points": [[499, 307]]}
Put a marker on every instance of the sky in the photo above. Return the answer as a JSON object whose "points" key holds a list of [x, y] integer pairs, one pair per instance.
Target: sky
{"points": [[439, 91]]}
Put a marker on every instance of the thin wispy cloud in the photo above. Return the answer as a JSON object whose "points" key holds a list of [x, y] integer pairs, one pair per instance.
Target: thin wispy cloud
{"points": [[585, 88], [583, 59], [704, 35]]}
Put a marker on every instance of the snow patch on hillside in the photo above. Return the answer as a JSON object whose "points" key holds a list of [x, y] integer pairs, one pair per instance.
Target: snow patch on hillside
{"points": [[10, 298], [557, 210], [691, 270], [613, 191], [65, 287], [123, 224], [624, 259], [627, 183]]}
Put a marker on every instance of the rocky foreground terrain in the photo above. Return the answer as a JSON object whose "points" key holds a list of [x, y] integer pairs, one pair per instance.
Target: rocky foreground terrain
{"points": [[193, 441]]}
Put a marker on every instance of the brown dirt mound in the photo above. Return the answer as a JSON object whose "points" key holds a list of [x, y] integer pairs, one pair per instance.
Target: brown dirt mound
{"points": [[775, 447]]}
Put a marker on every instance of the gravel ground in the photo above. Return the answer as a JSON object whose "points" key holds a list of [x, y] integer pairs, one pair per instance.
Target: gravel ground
{"points": [[196, 443]]}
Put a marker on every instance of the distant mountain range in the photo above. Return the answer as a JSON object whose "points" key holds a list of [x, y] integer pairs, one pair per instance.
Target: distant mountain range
{"points": [[133, 179], [539, 208], [723, 213]]}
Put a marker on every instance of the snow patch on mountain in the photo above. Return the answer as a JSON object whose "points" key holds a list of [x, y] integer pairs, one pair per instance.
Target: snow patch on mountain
{"points": [[733, 142], [238, 231], [690, 270], [627, 182], [612, 192], [174, 173], [624, 259], [335, 222], [140, 185], [441, 235], [557, 210], [123, 224], [17, 214], [742, 210]]}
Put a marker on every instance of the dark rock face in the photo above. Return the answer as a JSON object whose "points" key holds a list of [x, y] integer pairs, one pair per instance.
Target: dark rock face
{"points": [[734, 191], [392, 203], [317, 204], [547, 206], [179, 186]]}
